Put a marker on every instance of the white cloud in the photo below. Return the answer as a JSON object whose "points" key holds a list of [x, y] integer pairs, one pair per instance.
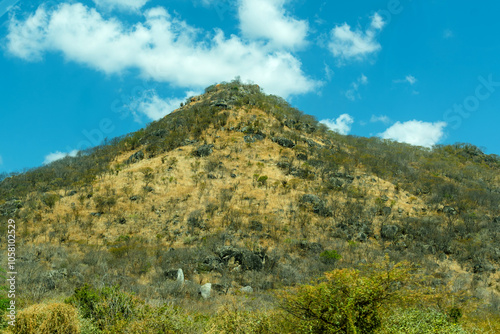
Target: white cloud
{"points": [[377, 22], [162, 48], [1, 160], [363, 79], [382, 118], [127, 5], [267, 19], [411, 79], [416, 132], [154, 107], [352, 93], [58, 156], [347, 44], [408, 79], [341, 125], [328, 72]]}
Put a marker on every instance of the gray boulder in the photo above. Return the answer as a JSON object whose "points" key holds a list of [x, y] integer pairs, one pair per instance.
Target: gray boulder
{"points": [[247, 259], [251, 261], [205, 290], [284, 142], [450, 210], [136, 157], [246, 289]]}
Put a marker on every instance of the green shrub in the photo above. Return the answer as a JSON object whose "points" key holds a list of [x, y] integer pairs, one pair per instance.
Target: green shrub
{"points": [[262, 180], [50, 200], [345, 301], [329, 256], [420, 321], [102, 202], [455, 314], [106, 306], [86, 299], [88, 327]]}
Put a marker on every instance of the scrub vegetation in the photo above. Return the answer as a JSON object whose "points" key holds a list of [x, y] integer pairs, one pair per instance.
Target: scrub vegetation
{"points": [[297, 229]]}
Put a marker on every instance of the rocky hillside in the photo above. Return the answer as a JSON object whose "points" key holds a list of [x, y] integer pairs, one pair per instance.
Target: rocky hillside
{"points": [[242, 191]]}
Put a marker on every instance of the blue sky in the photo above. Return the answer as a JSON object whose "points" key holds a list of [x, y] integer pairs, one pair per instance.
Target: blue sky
{"points": [[75, 72]]}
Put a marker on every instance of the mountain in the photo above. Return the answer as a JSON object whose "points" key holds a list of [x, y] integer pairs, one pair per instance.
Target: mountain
{"points": [[239, 189]]}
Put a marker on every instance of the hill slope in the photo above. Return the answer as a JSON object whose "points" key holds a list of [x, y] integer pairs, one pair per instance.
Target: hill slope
{"points": [[238, 188]]}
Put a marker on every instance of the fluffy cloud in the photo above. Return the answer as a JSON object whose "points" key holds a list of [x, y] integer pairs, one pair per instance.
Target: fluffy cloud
{"points": [[352, 93], [127, 5], [154, 107], [341, 125], [416, 132], [58, 156], [377, 22], [162, 48], [347, 44], [267, 19]]}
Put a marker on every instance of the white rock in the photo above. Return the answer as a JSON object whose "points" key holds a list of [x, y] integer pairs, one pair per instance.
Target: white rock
{"points": [[180, 276], [205, 290], [246, 289]]}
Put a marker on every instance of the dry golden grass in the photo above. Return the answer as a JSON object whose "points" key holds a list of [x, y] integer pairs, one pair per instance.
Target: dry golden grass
{"points": [[55, 318]]}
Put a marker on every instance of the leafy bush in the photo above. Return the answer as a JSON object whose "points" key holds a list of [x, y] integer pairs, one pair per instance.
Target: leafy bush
{"points": [[346, 301], [420, 321], [262, 180], [195, 220], [56, 318], [50, 200], [88, 327], [86, 299], [106, 306], [329, 256], [102, 202]]}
